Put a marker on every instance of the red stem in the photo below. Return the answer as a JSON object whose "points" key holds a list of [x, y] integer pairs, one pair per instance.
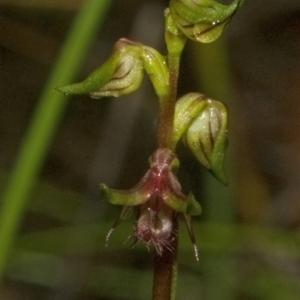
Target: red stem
{"points": [[165, 265], [167, 108], [165, 269]]}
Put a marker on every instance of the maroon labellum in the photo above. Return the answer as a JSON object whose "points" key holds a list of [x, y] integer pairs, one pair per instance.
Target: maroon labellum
{"points": [[155, 224]]}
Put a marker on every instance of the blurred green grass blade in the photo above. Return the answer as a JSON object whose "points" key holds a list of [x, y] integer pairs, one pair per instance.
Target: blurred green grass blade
{"points": [[45, 122]]}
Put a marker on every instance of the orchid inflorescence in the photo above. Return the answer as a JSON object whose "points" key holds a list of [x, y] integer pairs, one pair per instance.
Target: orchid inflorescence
{"points": [[200, 122]]}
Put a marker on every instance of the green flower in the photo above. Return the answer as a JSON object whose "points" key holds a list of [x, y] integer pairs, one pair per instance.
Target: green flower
{"points": [[202, 124], [123, 72]]}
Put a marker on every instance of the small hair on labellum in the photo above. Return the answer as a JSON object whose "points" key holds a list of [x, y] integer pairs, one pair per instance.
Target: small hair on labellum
{"points": [[155, 226]]}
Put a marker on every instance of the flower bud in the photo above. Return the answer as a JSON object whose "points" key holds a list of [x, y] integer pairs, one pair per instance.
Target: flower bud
{"points": [[187, 109], [121, 74], [202, 20], [206, 138]]}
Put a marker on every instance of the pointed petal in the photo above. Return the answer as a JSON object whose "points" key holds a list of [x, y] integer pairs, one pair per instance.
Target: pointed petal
{"points": [[188, 222], [193, 206], [122, 197], [179, 204]]}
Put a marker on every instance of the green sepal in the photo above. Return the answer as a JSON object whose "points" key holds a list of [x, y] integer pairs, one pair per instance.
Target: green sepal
{"points": [[202, 20], [207, 138], [175, 202], [95, 81], [198, 140], [187, 109], [174, 37], [193, 206], [157, 70], [218, 153], [122, 197]]}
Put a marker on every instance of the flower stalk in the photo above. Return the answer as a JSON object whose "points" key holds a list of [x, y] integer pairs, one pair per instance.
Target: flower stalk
{"points": [[175, 42], [167, 108]]}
